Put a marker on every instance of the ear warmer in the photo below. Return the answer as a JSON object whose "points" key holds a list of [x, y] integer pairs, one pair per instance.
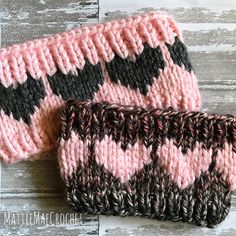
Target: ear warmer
{"points": [[164, 164], [138, 61]]}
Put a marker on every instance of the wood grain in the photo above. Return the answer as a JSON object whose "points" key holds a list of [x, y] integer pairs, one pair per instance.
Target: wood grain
{"points": [[25, 20], [211, 11], [209, 29]]}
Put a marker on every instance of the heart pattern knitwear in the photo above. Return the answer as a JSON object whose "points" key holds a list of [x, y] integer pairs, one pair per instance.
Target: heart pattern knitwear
{"points": [[141, 60], [157, 163]]}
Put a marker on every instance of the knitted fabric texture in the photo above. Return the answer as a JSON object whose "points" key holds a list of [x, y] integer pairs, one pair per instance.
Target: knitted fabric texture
{"points": [[164, 164], [138, 61]]}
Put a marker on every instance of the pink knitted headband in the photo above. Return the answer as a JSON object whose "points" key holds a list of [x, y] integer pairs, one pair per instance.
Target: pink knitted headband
{"points": [[138, 61]]}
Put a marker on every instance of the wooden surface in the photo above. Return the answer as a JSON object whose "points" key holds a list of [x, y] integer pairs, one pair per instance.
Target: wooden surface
{"points": [[209, 29]]}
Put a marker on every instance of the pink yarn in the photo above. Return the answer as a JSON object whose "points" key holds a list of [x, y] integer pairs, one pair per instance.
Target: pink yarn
{"points": [[68, 51], [157, 163], [183, 168]]}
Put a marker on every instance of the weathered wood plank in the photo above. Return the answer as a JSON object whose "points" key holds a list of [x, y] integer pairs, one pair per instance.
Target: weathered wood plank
{"points": [[210, 37], [55, 218], [118, 226], [47, 11], [183, 10], [215, 67], [41, 176], [24, 20], [222, 102]]}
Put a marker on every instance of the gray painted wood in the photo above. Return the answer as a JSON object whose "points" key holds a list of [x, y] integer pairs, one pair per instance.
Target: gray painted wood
{"points": [[209, 29], [25, 19]]}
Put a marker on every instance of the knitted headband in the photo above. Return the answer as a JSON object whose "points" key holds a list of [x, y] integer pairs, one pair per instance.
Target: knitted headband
{"points": [[163, 164], [138, 61]]}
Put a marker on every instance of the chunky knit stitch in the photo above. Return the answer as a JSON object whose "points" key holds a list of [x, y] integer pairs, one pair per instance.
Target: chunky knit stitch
{"points": [[136, 61], [164, 164]]}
